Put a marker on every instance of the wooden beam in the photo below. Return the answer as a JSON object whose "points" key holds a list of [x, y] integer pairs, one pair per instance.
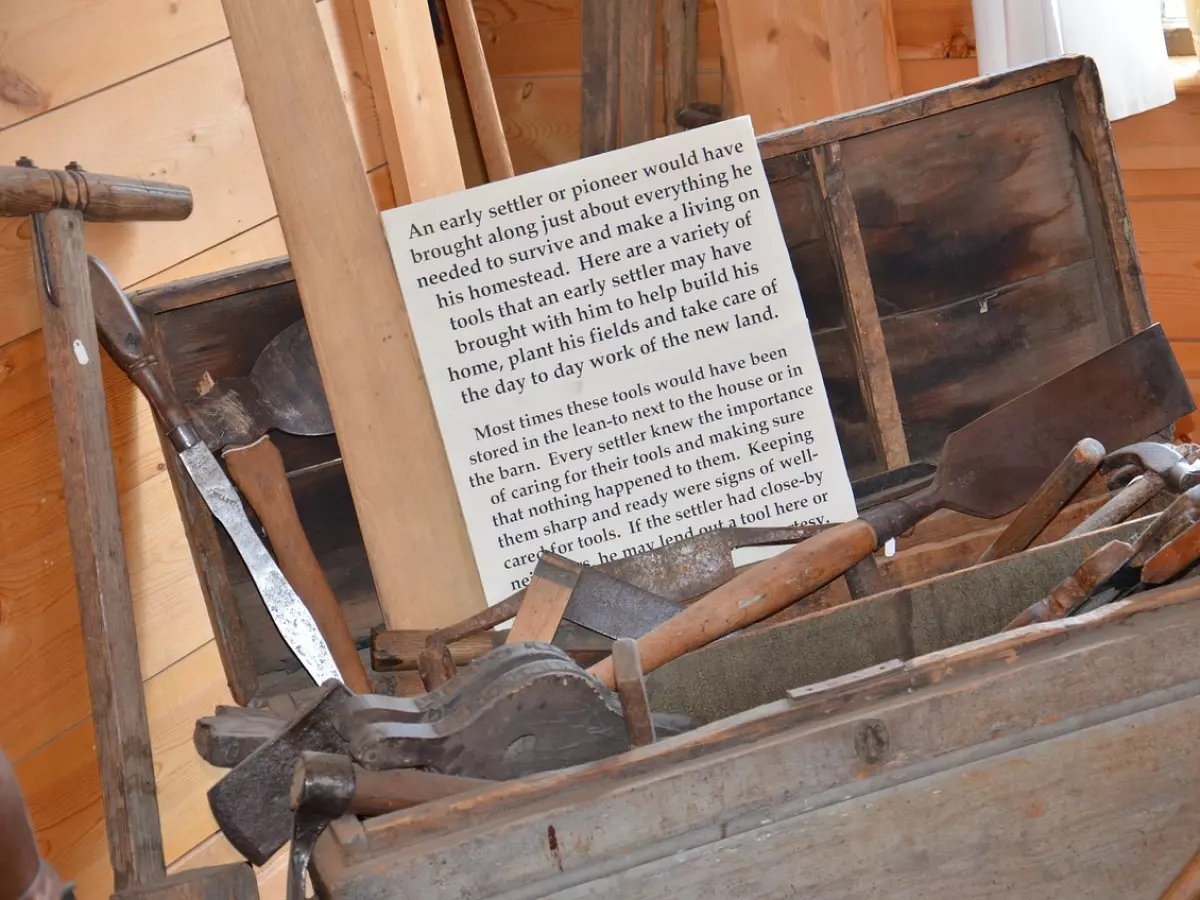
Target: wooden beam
{"points": [[410, 96], [793, 61], [600, 27], [636, 52], [681, 41], [412, 526], [871, 361]]}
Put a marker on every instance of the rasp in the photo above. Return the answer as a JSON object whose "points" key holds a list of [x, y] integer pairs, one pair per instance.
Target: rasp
{"points": [[123, 334]]}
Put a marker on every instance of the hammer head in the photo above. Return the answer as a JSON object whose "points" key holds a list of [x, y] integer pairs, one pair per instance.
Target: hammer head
{"points": [[1165, 461], [251, 803]]}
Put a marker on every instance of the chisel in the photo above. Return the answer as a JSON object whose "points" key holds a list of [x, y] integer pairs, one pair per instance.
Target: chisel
{"points": [[123, 334]]}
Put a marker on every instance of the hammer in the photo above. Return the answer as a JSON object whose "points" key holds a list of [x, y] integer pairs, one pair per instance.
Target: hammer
{"points": [[1163, 466], [327, 786], [58, 202]]}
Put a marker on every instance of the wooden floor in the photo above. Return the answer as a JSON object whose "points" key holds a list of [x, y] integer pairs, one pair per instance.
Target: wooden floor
{"points": [[150, 88]]}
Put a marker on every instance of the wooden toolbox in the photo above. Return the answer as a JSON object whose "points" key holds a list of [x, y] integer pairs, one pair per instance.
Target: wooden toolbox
{"points": [[981, 232], [984, 221]]}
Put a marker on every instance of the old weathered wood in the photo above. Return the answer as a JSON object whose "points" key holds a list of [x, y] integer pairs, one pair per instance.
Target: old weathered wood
{"points": [[101, 198], [480, 92], [1077, 467], [861, 313], [680, 41], [258, 471], [631, 688], [636, 55], [600, 25], [546, 599], [942, 731], [410, 98], [412, 526], [203, 288], [757, 667], [98, 552], [1108, 219]]}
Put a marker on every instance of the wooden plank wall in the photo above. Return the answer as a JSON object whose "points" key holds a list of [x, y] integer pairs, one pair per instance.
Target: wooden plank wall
{"points": [[150, 88]]}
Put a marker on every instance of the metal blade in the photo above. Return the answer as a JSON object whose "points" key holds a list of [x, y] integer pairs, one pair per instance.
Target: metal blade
{"points": [[616, 608], [291, 616], [1127, 393]]}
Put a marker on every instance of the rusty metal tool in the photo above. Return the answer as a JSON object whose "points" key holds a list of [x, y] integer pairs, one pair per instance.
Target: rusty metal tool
{"points": [[1095, 569], [1159, 467], [327, 786], [987, 468], [1176, 519], [123, 334], [1077, 466]]}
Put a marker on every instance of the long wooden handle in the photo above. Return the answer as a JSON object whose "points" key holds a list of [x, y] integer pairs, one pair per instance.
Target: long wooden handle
{"points": [[259, 472], [1186, 885], [760, 591], [480, 92], [1172, 559], [1078, 466]]}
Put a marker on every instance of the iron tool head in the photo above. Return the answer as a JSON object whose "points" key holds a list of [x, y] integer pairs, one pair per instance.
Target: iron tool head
{"points": [[1130, 391]]}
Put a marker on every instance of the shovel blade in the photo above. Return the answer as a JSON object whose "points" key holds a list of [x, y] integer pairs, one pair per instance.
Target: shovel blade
{"points": [[1125, 394]]}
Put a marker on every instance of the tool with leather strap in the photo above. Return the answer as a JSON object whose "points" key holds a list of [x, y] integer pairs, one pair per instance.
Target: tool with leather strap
{"points": [[987, 468]]}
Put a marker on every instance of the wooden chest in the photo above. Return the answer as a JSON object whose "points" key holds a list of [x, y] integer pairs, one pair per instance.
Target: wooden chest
{"points": [[985, 221]]}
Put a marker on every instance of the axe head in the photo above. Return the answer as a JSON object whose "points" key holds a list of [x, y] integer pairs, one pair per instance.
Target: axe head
{"points": [[251, 804]]}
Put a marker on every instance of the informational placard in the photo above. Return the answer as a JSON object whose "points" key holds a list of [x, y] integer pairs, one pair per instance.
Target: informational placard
{"points": [[618, 354]]}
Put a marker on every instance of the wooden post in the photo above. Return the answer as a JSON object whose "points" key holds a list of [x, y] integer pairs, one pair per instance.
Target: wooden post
{"points": [[412, 526], [681, 36], [637, 70], [871, 361], [600, 25], [793, 61]]}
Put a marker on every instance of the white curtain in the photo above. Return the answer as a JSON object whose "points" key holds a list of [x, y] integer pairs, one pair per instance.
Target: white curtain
{"points": [[1125, 37]]}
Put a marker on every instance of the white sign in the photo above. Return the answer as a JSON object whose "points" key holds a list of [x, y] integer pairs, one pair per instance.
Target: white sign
{"points": [[618, 354]]}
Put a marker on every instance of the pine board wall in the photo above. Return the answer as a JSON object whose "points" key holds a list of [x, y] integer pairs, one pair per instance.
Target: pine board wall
{"points": [[150, 88]]}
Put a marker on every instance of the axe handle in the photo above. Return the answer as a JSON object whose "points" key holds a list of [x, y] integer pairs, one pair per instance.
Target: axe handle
{"points": [[259, 472], [376, 793], [760, 591], [1077, 467]]}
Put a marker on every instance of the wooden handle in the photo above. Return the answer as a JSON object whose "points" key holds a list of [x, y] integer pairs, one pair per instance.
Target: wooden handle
{"points": [[376, 793], [1129, 500], [1172, 559], [122, 331], [546, 599], [1078, 466], [760, 591], [1186, 885], [631, 688], [1060, 601], [480, 92], [25, 190], [259, 472]]}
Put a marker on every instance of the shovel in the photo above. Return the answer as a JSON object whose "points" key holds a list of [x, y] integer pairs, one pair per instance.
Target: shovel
{"points": [[988, 468]]}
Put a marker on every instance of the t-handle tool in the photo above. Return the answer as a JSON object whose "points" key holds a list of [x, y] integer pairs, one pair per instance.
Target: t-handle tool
{"points": [[58, 203], [987, 468], [123, 334]]}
